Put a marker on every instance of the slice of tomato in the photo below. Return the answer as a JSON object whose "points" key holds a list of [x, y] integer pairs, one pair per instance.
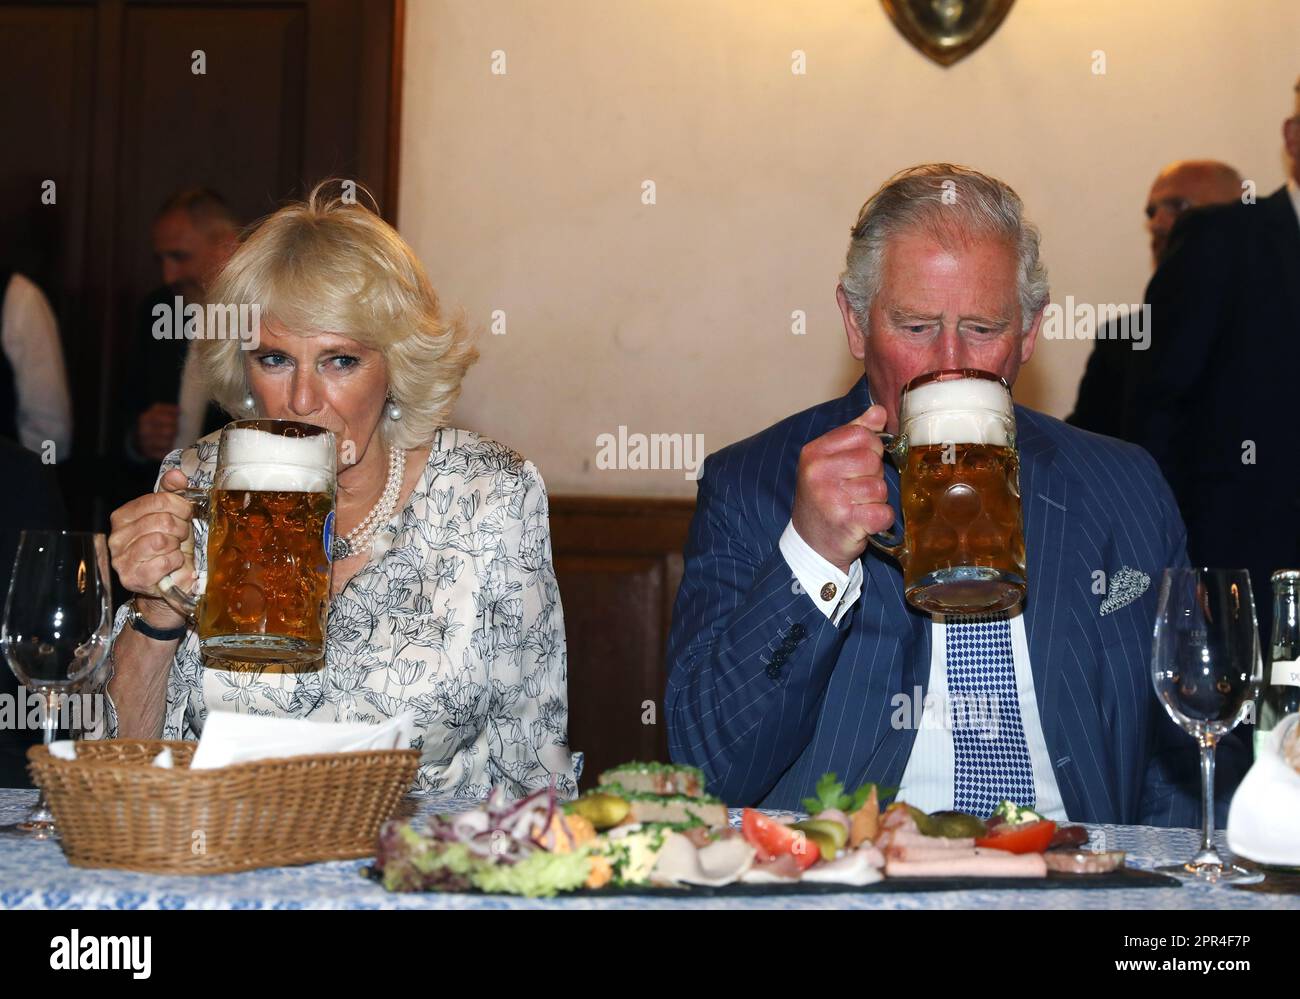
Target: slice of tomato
{"points": [[1025, 837], [772, 839]]}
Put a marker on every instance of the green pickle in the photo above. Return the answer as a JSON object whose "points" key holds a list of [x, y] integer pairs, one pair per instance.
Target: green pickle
{"points": [[604, 811], [925, 825], [827, 844], [827, 828], [958, 825], [949, 825]]}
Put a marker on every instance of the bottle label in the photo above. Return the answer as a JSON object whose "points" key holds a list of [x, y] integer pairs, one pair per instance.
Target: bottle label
{"points": [[1285, 673]]}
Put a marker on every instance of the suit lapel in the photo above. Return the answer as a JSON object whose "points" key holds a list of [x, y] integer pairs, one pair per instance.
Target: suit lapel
{"points": [[1044, 511], [905, 642]]}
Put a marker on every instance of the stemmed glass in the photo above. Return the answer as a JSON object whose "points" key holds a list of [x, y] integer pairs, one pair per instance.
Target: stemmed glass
{"points": [[1206, 665], [57, 622]]}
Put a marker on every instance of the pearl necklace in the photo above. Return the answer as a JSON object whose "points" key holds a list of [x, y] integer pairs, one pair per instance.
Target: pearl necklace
{"points": [[357, 539]]}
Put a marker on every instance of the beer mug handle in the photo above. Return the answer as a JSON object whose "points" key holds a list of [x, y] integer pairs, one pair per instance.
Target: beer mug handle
{"points": [[183, 602], [895, 447]]}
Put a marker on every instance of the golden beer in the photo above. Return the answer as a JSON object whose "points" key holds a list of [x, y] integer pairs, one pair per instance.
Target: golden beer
{"points": [[961, 511], [962, 547], [268, 575], [270, 517]]}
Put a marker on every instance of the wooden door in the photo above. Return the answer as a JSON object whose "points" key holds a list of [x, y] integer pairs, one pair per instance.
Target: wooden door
{"points": [[119, 103]]}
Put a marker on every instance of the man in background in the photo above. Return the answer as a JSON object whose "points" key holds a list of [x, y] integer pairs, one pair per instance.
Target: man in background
{"points": [[1104, 393], [162, 405], [1214, 404]]}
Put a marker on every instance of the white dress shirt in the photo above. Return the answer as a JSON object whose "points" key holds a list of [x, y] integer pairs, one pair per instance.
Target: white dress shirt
{"points": [[831, 590], [928, 777], [31, 344]]}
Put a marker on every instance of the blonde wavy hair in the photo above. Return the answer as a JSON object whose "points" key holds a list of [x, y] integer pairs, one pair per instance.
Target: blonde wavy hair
{"points": [[330, 264]]}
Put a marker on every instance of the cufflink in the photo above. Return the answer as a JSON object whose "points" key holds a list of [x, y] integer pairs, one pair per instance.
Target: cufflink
{"points": [[828, 591]]}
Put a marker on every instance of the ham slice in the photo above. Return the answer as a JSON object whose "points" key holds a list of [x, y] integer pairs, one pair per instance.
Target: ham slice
{"points": [[720, 863], [780, 869], [874, 857], [977, 863], [854, 868], [890, 839], [898, 818], [925, 852]]}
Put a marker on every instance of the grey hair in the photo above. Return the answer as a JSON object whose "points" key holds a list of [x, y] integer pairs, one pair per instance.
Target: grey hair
{"points": [[949, 202]]}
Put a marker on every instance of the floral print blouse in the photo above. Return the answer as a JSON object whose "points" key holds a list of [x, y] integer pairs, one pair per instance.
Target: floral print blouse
{"points": [[456, 617]]}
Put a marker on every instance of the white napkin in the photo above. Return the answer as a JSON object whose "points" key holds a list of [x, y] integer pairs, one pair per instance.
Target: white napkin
{"points": [[1264, 820], [63, 749], [229, 737]]}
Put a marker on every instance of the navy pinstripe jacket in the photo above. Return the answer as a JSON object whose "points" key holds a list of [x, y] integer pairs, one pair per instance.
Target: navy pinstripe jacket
{"points": [[766, 695]]}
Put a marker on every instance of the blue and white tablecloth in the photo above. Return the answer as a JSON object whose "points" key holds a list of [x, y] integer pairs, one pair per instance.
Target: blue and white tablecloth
{"points": [[35, 875]]}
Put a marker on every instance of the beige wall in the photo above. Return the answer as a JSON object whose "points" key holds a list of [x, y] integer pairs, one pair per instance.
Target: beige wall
{"points": [[523, 192]]}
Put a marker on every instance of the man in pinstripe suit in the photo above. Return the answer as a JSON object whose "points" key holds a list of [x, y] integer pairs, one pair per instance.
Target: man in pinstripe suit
{"points": [[793, 652]]}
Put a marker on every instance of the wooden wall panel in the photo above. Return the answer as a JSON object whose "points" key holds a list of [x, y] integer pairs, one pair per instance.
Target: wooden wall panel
{"points": [[47, 133], [618, 562], [236, 128]]}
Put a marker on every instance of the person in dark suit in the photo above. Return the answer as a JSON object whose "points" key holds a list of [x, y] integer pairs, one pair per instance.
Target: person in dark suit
{"points": [[792, 651], [35, 505], [193, 235], [1105, 392], [1214, 403]]}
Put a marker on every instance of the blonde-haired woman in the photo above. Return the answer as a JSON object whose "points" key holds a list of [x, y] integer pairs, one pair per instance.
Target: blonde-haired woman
{"points": [[446, 602]]}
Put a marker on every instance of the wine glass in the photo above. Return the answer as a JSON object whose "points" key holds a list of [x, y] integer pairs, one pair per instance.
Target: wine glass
{"points": [[1205, 665], [57, 622]]}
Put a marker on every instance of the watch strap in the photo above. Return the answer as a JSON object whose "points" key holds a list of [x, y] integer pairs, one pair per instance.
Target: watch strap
{"points": [[137, 621]]}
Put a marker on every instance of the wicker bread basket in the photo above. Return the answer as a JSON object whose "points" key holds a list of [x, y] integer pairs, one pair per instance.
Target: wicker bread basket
{"points": [[113, 809]]}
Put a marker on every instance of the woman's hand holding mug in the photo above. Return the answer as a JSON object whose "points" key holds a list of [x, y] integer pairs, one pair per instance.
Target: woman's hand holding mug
{"points": [[149, 539]]}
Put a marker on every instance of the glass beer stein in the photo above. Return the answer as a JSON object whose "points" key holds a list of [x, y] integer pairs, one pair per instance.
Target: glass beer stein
{"points": [[270, 520], [961, 547]]}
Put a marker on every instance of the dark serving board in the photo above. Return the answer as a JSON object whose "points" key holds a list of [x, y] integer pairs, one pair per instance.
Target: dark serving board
{"points": [[1125, 877]]}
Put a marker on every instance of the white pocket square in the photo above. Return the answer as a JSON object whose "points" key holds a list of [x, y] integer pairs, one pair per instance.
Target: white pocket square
{"points": [[1126, 585]]}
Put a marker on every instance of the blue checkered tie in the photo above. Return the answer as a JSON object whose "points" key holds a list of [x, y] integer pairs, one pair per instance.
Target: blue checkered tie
{"points": [[985, 702]]}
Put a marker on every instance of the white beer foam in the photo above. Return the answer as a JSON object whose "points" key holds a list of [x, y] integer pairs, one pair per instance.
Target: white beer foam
{"points": [[265, 462], [960, 411]]}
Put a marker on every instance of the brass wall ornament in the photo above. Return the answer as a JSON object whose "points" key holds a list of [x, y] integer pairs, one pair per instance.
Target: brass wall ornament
{"points": [[947, 30]]}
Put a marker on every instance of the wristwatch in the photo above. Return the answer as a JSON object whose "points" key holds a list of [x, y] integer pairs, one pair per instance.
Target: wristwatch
{"points": [[136, 620]]}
